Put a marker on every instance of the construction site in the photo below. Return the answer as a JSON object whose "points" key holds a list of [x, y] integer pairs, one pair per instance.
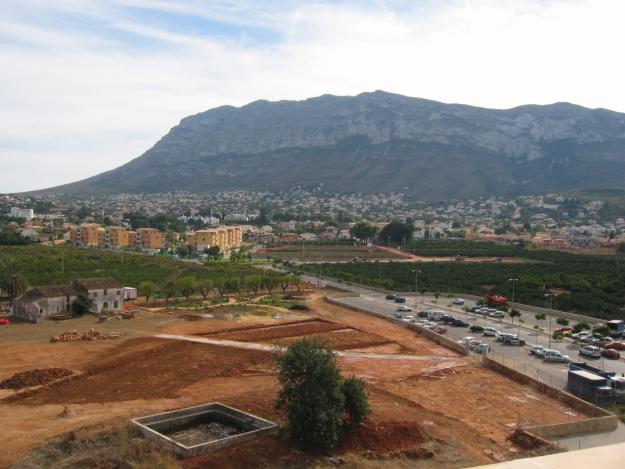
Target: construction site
{"points": [[431, 405]]}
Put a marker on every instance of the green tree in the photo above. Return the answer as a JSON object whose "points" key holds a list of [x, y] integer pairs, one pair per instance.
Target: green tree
{"points": [[187, 286], [220, 285], [514, 313], [270, 282], [285, 281], [601, 329], [147, 288], [170, 289], [363, 231], [232, 284], [82, 304], [11, 279], [396, 232], [253, 283], [311, 394], [204, 287], [356, 401], [562, 321], [581, 326], [621, 248]]}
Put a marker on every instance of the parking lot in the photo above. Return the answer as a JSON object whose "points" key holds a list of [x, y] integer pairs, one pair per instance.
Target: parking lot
{"points": [[516, 356]]}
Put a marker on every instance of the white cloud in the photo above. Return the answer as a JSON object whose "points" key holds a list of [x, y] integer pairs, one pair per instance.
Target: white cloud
{"points": [[75, 101]]}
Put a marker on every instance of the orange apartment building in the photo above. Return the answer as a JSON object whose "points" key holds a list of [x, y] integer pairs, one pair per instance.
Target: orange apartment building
{"points": [[92, 234], [116, 236], [87, 234], [226, 237]]}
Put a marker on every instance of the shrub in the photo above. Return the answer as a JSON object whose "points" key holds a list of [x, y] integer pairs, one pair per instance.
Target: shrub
{"points": [[562, 321], [356, 402]]}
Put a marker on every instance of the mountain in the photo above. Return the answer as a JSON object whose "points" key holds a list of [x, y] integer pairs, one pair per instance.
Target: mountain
{"points": [[379, 142]]}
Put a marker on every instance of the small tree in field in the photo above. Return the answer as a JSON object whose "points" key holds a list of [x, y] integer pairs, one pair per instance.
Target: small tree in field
{"points": [[356, 402], [514, 313], [82, 304], [146, 288], [315, 397], [187, 286]]}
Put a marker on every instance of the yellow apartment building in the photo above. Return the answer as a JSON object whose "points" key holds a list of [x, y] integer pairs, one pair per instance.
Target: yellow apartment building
{"points": [[116, 236], [226, 237], [90, 234], [150, 238]]}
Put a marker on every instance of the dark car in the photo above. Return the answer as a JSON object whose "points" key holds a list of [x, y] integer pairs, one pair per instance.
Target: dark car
{"points": [[422, 314], [459, 323], [390, 297], [476, 328], [473, 309], [610, 353], [400, 299], [447, 318]]}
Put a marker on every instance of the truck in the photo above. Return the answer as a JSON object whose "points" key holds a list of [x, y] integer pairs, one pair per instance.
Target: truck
{"points": [[496, 300], [594, 384], [617, 327]]}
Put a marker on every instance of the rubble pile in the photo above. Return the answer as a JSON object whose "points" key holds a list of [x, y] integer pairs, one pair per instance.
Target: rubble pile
{"points": [[72, 336]]}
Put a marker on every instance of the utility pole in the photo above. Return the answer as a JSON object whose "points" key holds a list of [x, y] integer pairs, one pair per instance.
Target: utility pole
{"points": [[62, 262], [514, 281], [549, 297], [416, 286]]}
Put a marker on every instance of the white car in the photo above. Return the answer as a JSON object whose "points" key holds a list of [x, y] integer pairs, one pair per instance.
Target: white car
{"points": [[467, 340], [537, 350], [490, 332], [555, 356], [497, 314], [590, 351], [458, 301], [404, 309]]}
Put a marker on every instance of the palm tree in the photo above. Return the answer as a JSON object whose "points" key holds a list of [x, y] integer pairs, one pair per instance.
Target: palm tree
{"points": [[11, 279]]}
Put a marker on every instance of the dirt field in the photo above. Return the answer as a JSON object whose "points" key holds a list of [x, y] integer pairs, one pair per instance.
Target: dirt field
{"points": [[327, 253], [430, 407]]}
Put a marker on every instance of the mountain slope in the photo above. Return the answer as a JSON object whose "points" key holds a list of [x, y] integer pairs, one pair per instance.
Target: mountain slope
{"points": [[379, 142]]}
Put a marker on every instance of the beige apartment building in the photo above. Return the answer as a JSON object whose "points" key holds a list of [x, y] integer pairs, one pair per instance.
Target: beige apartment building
{"points": [[116, 237], [226, 237]]}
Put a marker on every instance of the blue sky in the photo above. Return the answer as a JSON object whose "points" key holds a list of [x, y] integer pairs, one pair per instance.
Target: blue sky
{"points": [[87, 85]]}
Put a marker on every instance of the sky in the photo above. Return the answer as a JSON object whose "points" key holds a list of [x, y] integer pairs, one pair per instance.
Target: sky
{"points": [[88, 85]]}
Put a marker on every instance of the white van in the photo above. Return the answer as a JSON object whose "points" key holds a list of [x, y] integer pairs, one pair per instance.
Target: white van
{"points": [[590, 351], [435, 315], [555, 356]]}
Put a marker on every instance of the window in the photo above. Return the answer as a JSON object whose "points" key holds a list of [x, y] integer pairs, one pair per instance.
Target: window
{"points": [[119, 292], [116, 304], [105, 292]]}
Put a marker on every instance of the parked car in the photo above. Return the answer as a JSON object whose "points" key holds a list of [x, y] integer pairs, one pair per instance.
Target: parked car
{"points": [[476, 328], [440, 329], [590, 351], [435, 315], [615, 346], [503, 336], [458, 301], [610, 353], [474, 309], [537, 350], [408, 318], [400, 299], [459, 323], [390, 296], [448, 318], [404, 309], [490, 332], [398, 315], [482, 348], [497, 314], [562, 330], [467, 339], [422, 314], [474, 343], [4, 322], [555, 356], [514, 340]]}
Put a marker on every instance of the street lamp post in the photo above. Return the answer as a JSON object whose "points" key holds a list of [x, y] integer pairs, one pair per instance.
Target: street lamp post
{"points": [[514, 281], [416, 286], [549, 297]]}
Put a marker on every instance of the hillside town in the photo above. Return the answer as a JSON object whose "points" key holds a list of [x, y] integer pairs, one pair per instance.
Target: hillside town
{"points": [[164, 222]]}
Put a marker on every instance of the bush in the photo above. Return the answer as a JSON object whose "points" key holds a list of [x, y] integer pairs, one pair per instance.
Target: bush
{"points": [[562, 321], [356, 402], [82, 304]]}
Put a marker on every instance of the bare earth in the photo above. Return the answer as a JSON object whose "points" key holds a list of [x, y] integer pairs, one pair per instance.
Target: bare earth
{"points": [[440, 401]]}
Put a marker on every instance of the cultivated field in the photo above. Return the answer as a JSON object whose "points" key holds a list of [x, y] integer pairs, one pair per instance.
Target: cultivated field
{"points": [[327, 253], [430, 406]]}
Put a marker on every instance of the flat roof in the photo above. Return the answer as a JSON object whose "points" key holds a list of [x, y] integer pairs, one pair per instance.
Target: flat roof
{"points": [[587, 375]]}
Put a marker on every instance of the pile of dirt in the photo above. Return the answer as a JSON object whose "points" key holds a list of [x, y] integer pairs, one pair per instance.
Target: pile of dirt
{"points": [[26, 379], [383, 438]]}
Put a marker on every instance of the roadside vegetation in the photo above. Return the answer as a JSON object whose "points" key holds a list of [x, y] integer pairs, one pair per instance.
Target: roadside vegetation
{"points": [[590, 285]]}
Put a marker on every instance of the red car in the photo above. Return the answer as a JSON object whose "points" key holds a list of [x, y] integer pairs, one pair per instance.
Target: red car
{"points": [[609, 353], [4, 322], [563, 330], [615, 346]]}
